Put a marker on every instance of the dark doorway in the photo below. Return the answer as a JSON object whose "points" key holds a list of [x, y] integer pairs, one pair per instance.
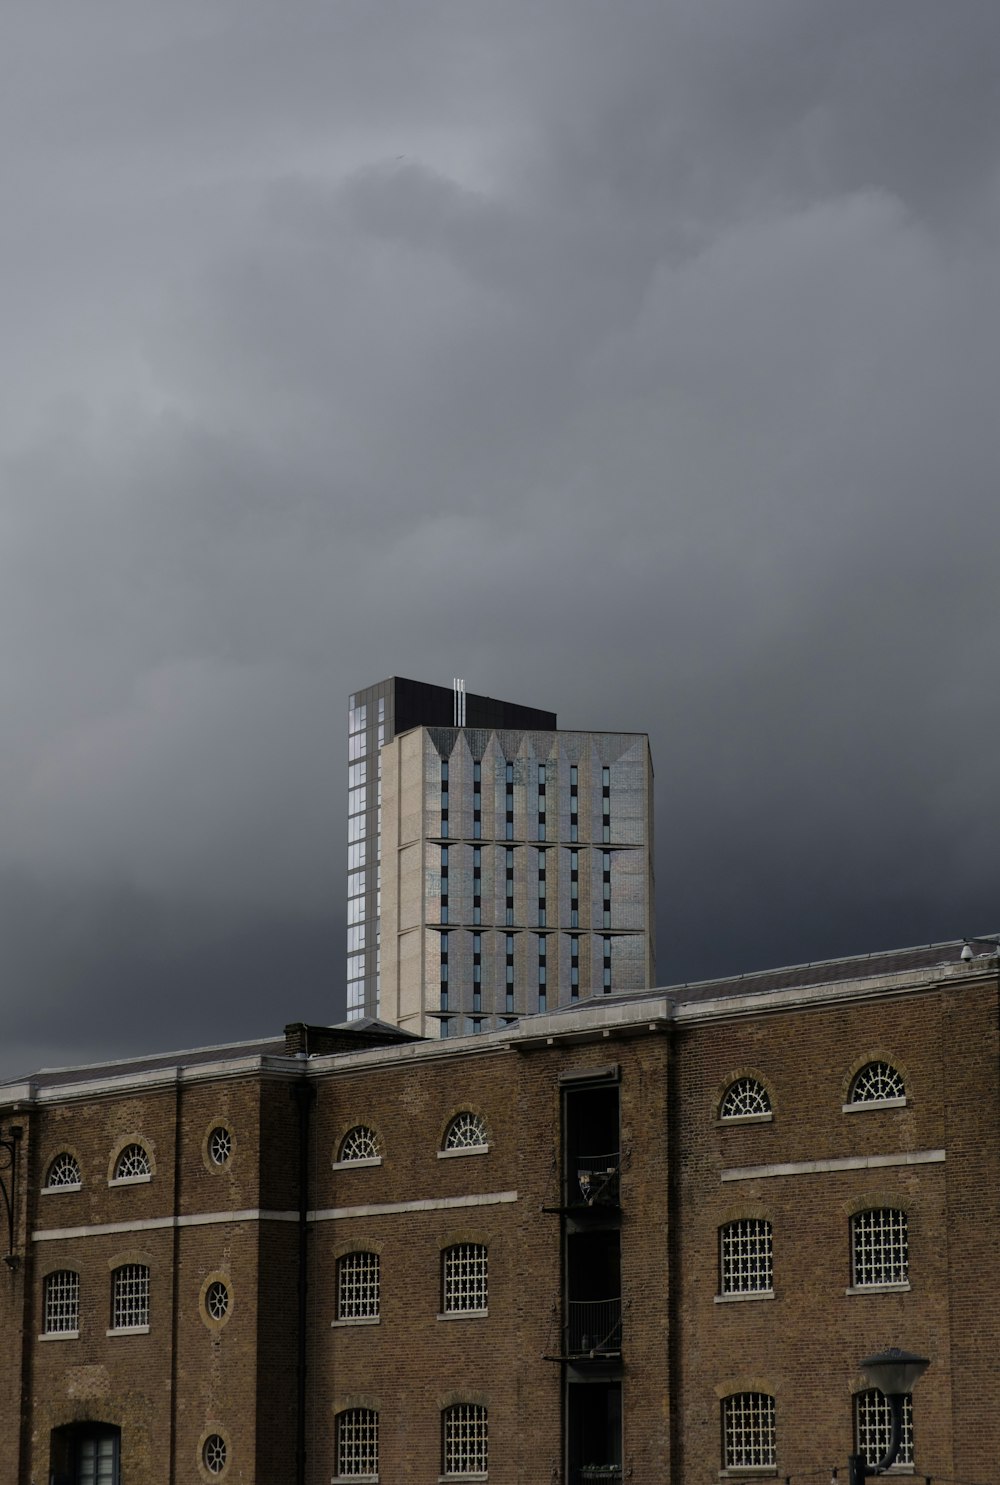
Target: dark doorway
{"points": [[85, 1454]]}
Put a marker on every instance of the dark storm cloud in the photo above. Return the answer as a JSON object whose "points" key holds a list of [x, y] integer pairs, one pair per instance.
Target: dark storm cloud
{"points": [[637, 361]]}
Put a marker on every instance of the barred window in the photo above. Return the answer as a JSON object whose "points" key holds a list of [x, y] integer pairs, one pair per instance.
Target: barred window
{"points": [[465, 1440], [873, 1426], [879, 1247], [875, 1083], [465, 1278], [361, 1143], [358, 1286], [130, 1296], [357, 1443], [745, 1258], [744, 1097], [62, 1302], [747, 1430], [64, 1171], [465, 1132], [132, 1163]]}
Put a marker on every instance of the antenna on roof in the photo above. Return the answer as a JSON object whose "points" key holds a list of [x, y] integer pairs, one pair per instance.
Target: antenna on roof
{"points": [[459, 702]]}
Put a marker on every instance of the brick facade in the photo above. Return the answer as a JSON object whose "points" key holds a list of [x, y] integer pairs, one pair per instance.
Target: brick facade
{"points": [[644, 1079]]}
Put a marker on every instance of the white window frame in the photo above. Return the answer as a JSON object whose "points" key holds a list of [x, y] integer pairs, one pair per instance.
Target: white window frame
{"points": [[359, 1280], [749, 1435], [60, 1166], [873, 1428], [465, 1279], [61, 1304], [361, 1145], [465, 1135], [881, 1246], [868, 1084], [465, 1442], [357, 1444], [740, 1092], [128, 1156], [746, 1259], [130, 1299]]}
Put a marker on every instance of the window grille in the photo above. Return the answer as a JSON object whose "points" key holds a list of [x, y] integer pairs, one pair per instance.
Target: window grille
{"points": [[220, 1145], [748, 1430], [62, 1302], [873, 1426], [745, 1096], [465, 1132], [745, 1257], [132, 1162], [465, 1440], [361, 1143], [880, 1247], [877, 1082], [130, 1297], [217, 1300], [358, 1286], [357, 1442], [64, 1171], [465, 1277], [213, 1453]]}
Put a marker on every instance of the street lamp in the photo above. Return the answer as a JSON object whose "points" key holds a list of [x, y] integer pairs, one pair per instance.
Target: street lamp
{"points": [[893, 1372]]}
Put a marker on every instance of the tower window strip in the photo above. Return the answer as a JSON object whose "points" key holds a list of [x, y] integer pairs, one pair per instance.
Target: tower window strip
{"points": [[605, 804]]}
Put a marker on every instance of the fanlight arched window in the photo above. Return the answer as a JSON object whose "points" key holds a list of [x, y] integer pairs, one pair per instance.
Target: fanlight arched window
{"points": [[64, 1171], [465, 1132], [745, 1098], [361, 1143], [357, 1443], [132, 1164], [876, 1082]]}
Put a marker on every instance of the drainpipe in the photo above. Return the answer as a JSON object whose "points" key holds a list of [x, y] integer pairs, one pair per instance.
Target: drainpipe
{"points": [[304, 1094]]}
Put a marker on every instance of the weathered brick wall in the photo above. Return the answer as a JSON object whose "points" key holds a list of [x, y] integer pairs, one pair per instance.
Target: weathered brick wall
{"points": [[804, 1346]]}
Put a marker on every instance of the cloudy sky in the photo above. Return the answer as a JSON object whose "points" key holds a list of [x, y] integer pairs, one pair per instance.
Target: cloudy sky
{"points": [[637, 360]]}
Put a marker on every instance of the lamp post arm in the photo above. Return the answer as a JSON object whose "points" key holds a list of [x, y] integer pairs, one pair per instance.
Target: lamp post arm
{"points": [[895, 1401]]}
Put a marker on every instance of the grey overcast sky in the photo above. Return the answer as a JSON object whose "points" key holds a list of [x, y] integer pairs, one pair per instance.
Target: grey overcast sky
{"points": [[638, 360]]}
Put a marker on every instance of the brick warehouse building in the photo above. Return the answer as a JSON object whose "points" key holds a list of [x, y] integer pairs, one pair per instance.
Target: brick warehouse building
{"points": [[646, 1238]]}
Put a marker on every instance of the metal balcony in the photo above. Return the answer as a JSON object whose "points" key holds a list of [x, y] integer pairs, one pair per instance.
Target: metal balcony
{"points": [[598, 1180], [594, 1327]]}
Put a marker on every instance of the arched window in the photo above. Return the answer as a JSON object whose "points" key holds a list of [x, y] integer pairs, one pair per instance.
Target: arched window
{"points": [[63, 1171], [876, 1082], [464, 1279], [361, 1143], [464, 1440], [465, 1132], [130, 1297], [132, 1164], [357, 1443], [745, 1098], [748, 1437], [879, 1247], [62, 1303], [873, 1426], [358, 1286], [745, 1258]]}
